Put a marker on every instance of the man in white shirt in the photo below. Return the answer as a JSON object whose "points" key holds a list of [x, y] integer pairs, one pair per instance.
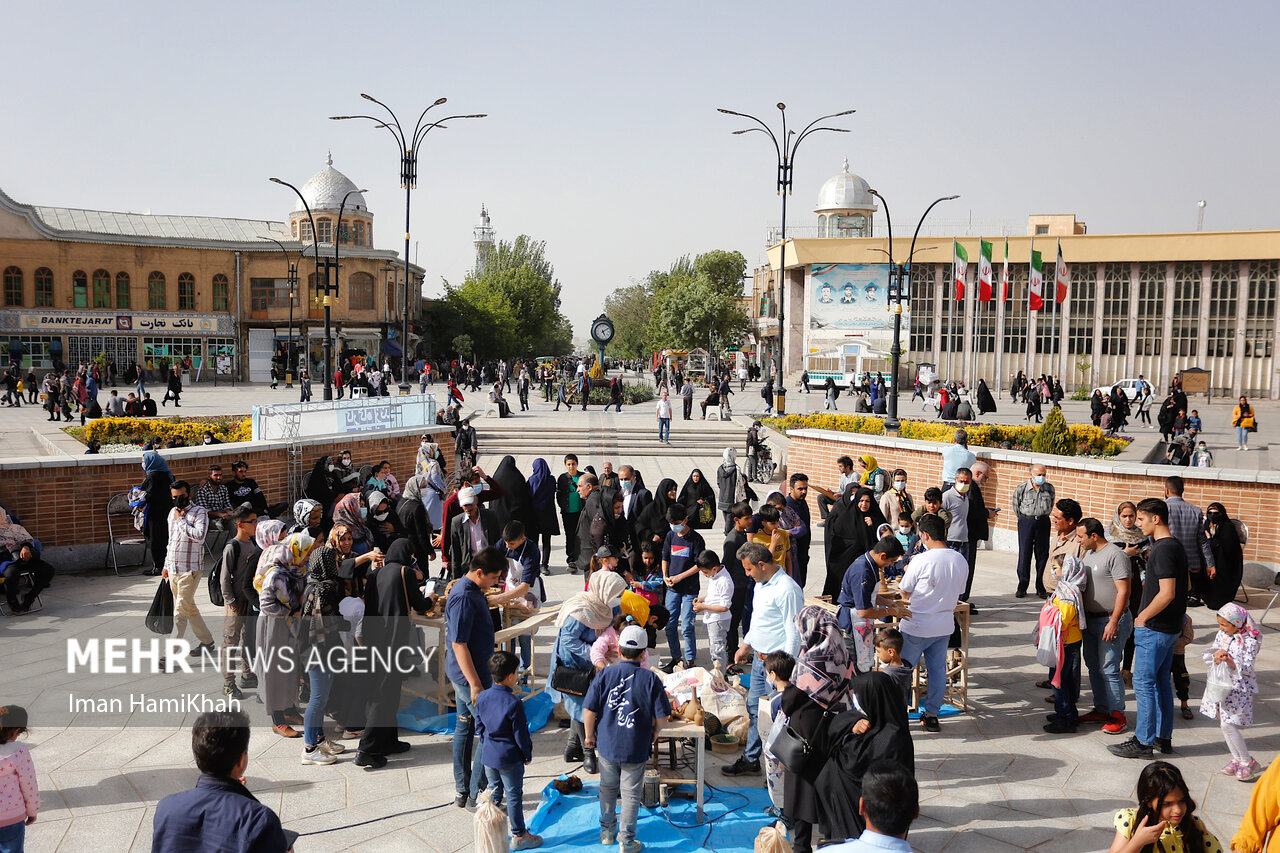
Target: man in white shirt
{"points": [[931, 587], [663, 410]]}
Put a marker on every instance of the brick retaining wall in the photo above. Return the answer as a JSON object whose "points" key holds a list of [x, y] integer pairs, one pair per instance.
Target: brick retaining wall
{"points": [[62, 500], [1099, 485]]}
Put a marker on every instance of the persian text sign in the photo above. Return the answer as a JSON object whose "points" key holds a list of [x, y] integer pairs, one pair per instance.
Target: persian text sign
{"points": [[365, 419]]}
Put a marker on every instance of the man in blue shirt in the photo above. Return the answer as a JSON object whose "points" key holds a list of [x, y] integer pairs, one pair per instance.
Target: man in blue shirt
{"points": [[680, 553], [890, 802], [623, 711], [954, 456], [469, 629], [858, 593], [219, 813]]}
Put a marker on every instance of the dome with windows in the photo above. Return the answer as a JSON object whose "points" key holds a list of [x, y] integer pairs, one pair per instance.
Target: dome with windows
{"points": [[845, 191], [326, 189]]}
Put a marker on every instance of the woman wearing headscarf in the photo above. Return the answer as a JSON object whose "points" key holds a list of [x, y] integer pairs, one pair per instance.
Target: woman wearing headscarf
{"points": [[700, 499], [159, 502], [819, 690], [851, 532], [652, 524], [431, 488], [387, 630], [1124, 532], [542, 502], [428, 453], [280, 580], [516, 504], [1228, 558], [610, 528], [581, 618], [415, 522], [321, 483], [308, 517], [728, 478], [986, 403], [871, 475], [876, 729], [384, 525], [319, 640], [350, 511]]}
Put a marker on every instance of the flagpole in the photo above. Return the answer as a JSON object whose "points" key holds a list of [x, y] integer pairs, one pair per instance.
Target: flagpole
{"points": [[951, 298], [1029, 358], [998, 295]]}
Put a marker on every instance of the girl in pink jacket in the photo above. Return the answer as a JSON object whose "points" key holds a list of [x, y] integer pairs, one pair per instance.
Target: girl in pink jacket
{"points": [[19, 794]]}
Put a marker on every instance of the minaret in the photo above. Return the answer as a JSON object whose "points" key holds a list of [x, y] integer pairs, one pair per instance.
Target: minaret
{"points": [[482, 236]]}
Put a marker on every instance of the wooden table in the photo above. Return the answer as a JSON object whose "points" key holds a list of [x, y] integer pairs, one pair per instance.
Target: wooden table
{"points": [[686, 729]]}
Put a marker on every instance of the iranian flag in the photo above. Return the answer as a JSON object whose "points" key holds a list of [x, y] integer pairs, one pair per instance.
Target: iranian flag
{"points": [[1035, 283], [1061, 278], [984, 271], [1004, 274], [960, 268]]}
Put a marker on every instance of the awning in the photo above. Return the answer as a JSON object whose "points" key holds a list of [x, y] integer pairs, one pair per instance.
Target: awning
{"points": [[391, 348]]}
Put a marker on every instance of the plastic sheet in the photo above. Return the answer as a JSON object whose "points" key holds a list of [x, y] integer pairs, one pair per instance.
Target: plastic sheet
{"points": [[423, 716]]}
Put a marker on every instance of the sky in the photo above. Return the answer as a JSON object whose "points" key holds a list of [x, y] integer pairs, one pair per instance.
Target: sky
{"points": [[602, 136]]}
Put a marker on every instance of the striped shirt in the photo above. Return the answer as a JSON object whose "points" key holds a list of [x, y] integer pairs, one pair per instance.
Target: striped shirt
{"points": [[186, 540]]}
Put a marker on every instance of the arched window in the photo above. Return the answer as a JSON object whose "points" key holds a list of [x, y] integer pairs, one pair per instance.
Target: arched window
{"points": [[186, 292], [101, 289], [155, 292], [12, 287], [80, 289], [361, 295], [221, 289], [122, 290], [44, 288]]}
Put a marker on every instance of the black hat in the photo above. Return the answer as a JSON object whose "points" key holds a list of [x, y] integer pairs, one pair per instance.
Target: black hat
{"points": [[13, 717]]}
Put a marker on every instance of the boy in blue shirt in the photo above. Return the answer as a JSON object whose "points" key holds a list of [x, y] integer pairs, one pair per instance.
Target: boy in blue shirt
{"points": [[625, 707], [505, 744], [680, 553]]}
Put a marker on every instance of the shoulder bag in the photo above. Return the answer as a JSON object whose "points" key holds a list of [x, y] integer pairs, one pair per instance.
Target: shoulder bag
{"points": [[567, 679], [797, 753]]}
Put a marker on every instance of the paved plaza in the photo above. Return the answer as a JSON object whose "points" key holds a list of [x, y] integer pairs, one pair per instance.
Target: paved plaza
{"points": [[990, 781]]}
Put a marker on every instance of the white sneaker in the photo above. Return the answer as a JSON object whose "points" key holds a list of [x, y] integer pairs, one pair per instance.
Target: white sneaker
{"points": [[332, 747], [317, 756]]}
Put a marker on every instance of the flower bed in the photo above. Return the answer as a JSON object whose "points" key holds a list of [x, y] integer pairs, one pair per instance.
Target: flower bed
{"points": [[1087, 439], [227, 428]]}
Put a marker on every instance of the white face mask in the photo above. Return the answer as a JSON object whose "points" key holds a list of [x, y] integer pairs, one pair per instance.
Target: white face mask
{"points": [[962, 487], [381, 516], [899, 484]]}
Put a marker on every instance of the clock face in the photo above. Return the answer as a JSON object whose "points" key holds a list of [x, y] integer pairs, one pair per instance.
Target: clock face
{"points": [[602, 331]]}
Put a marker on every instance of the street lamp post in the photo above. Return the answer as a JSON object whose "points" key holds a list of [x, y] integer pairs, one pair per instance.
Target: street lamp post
{"points": [[337, 238], [327, 368], [408, 149], [292, 283], [897, 293], [786, 151]]}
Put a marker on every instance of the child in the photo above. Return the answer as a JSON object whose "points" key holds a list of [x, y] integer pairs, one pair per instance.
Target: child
{"points": [[772, 536], [889, 655], [714, 607], [778, 668], [910, 541], [628, 705], [1165, 817], [19, 793], [680, 572], [505, 743], [1181, 680], [524, 591], [1067, 599], [635, 611], [648, 580], [1237, 646]]}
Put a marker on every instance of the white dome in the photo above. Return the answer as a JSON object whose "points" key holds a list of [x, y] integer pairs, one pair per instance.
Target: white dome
{"points": [[845, 191], [327, 187]]}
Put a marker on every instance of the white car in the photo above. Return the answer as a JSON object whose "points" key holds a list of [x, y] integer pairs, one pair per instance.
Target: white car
{"points": [[1131, 387]]}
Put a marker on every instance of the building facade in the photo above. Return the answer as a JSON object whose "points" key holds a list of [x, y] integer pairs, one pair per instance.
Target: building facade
{"points": [[157, 290], [1149, 304]]}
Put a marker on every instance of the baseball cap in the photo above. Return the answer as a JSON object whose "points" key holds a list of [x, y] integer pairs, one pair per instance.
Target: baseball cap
{"points": [[633, 637], [606, 551], [466, 496]]}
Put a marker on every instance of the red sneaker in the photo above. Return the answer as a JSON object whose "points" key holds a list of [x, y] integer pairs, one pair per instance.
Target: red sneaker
{"points": [[1096, 716], [1119, 724]]}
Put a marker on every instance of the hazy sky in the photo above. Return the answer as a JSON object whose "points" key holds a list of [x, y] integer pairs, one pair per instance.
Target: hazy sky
{"points": [[602, 136]]}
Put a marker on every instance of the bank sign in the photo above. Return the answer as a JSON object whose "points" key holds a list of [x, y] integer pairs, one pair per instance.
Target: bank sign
{"points": [[365, 419], [122, 323]]}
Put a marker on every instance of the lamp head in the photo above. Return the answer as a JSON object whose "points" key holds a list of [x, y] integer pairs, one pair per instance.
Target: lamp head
{"points": [[368, 97], [439, 101], [338, 118], [782, 106], [952, 197], [275, 180]]}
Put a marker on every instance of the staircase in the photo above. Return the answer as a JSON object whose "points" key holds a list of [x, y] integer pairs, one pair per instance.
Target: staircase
{"points": [[617, 438]]}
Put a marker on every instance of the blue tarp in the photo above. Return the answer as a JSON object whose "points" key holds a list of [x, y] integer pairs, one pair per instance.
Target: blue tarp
{"points": [[424, 716], [732, 819]]}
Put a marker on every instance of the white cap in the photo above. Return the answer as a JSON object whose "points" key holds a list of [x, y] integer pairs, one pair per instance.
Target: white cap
{"points": [[633, 637], [466, 496]]}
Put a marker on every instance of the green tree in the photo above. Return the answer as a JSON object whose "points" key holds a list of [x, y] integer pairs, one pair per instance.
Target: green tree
{"points": [[463, 346], [629, 308], [691, 312], [723, 269], [1052, 437]]}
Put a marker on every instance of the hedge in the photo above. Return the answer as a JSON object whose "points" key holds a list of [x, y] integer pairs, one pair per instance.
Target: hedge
{"points": [[125, 430], [1087, 440], [631, 394]]}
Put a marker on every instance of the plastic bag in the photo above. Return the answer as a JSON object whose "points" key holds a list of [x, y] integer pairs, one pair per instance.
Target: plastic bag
{"points": [[772, 839], [1220, 680], [491, 826], [160, 616]]}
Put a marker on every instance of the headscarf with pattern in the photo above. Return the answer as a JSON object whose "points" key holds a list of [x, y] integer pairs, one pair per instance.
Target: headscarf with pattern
{"points": [[302, 511], [267, 533], [1071, 587], [290, 556], [1238, 616], [347, 511], [823, 667]]}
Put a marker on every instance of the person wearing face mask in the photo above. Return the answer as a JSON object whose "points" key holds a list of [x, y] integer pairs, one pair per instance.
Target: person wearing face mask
{"points": [[1217, 586], [351, 512], [184, 564], [1032, 502], [680, 552], [897, 502], [384, 523], [1201, 457]]}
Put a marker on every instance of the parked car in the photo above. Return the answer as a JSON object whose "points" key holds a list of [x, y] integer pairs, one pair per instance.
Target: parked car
{"points": [[1131, 387]]}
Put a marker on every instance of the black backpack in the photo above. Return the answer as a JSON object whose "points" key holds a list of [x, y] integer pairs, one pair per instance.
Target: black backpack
{"points": [[220, 566]]}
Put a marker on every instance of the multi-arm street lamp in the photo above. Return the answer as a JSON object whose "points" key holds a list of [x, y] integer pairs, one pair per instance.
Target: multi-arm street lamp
{"points": [[292, 282], [786, 151], [897, 293], [408, 149], [327, 369], [337, 238]]}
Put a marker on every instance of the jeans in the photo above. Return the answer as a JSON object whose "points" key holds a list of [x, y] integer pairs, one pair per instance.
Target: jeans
{"points": [[934, 652], [1103, 660], [1033, 540], [1242, 436], [12, 837], [1153, 683], [1067, 695], [758, 690], [664, 429], [468, 769], [627, 779], [681, 605], [511, 781], [313, 719]]}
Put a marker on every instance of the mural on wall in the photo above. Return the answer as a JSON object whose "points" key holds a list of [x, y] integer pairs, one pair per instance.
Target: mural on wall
{"points": [[853, 300]]}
